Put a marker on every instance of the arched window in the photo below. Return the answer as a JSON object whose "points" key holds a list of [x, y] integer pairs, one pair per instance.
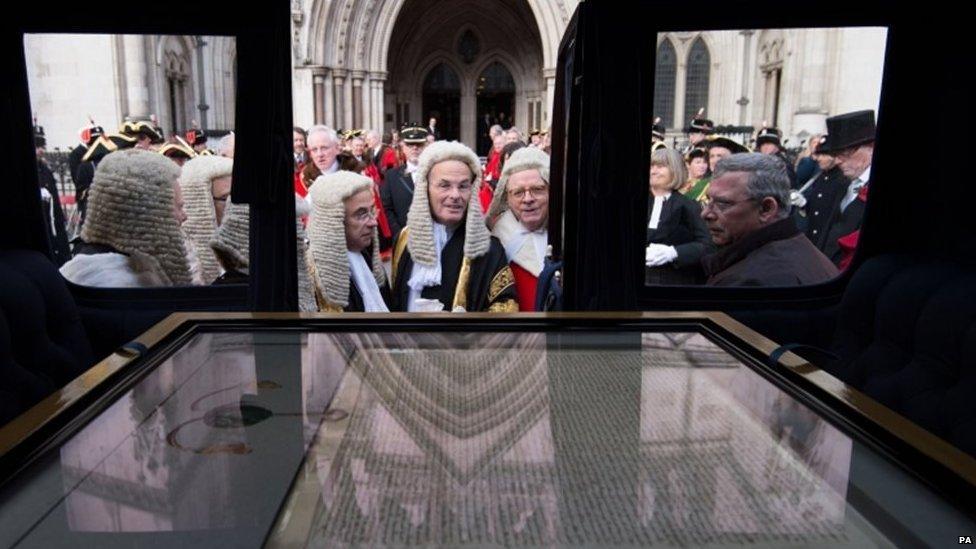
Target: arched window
{"points": [[665, 75], [696, 81], [442, 79], [178, 91]]}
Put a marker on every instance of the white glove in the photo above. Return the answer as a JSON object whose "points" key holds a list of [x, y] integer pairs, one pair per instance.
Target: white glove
{"points": [[659, 254], [797, 199], [424, 305]]}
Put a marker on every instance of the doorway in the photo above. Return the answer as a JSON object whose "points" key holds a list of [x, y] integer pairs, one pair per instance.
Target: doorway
{"points": [[496, 102], [442, 100]]}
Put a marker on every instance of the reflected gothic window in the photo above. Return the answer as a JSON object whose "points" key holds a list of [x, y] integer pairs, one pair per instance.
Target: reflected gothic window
{"points": [[696, 81], [665, 75]]}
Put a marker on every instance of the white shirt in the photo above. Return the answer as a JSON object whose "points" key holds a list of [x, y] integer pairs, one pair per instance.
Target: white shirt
{"points": [[422, 276], [656, 210], [411, 168], [333, 168], [854, 188], [365, 283]]}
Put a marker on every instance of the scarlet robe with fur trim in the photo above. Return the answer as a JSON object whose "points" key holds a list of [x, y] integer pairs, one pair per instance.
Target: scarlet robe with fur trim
{"points": [[524, 258]]}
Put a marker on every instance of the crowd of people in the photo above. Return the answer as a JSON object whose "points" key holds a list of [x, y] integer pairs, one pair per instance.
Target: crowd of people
{"points": [[722, 215], [405, 222]]}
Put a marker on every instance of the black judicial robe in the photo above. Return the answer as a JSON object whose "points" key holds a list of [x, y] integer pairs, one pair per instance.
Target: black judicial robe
{"points": [[490, 284], [356, 304]]}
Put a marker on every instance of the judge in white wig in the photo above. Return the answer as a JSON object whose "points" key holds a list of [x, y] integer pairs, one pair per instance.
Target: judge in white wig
{"points": [[200, 193], [446, 259], [131, 237], [231, 246], [520, 208], [343, 255]]}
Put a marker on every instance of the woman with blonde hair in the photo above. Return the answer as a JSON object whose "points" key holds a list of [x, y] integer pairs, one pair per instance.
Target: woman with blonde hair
{"points": [[676, 235]]}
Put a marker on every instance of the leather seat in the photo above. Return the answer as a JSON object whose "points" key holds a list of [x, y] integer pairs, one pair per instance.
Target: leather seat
{"points": [[906, 336], [43, 344]]}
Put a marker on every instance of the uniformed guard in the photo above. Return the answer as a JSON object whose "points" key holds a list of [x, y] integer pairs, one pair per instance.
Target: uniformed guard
{"points": [[769, 140], [820, 197], [699, 129]]}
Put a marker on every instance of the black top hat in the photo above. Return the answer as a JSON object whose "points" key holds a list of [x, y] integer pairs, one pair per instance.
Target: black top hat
{"points": [[697, 152], [413, 133], [769, 134], [848, 130], [725, 142], [135, 128], [657, 129]]}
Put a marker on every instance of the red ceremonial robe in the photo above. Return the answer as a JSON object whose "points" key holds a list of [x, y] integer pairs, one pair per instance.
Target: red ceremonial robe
{"points": [[525, 255]]}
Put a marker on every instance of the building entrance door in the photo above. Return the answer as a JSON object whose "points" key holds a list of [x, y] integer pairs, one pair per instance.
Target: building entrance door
{"points": [[442, 100], [496, 102]]}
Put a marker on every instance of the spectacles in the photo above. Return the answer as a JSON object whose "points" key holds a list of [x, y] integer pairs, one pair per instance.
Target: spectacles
{"points": [[720, 205], [364, 215], [537, 191]]}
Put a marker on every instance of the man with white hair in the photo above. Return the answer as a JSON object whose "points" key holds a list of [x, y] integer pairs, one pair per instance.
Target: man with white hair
{"points": [[521, 206], [205, 182], [322, 145], [343, 255], [445, 259]]}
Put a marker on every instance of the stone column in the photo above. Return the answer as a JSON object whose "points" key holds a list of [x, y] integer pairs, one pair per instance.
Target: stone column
{"points": [[136, 76], [358, 106], [469, 114], [318, 96], [341, 110], [679, 91], [747, 74], [379, 119], [547, 108], [811, 114], [328, 98]]}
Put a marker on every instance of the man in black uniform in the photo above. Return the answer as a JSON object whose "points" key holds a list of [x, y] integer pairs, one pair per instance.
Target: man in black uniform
{"points": [[821, 197], [51, 202], [396, 192], [88, 136], [445, 259], [769, 140]]}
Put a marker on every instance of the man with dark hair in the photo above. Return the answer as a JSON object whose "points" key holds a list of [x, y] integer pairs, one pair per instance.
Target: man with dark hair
{"points": [[748, 217], [769, 140], [396, 191]]}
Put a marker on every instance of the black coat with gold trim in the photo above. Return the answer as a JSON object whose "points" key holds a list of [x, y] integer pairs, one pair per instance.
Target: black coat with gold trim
{"points": [[481, 284]]}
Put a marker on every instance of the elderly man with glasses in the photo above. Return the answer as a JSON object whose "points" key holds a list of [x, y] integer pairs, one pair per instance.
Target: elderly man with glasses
{"points": [[748, 217], [343, 251], [520, 207]]}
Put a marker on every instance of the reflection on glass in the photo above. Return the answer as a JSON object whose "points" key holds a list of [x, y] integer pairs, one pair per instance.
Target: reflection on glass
{"points": [[515, 439]]}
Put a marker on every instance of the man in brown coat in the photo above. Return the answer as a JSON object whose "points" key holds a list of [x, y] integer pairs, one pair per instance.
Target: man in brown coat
{"points": [[748, 217]]}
